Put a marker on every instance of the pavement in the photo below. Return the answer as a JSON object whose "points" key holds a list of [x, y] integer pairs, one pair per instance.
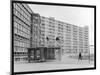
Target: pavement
{"points": [[65, 63]]}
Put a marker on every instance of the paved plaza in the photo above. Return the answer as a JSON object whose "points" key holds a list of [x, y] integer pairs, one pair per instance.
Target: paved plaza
{"points": [[65, 63]]}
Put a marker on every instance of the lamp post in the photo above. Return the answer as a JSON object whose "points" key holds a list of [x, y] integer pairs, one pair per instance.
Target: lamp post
{"points": [[59, 51], [47, 45], [47, 40]]}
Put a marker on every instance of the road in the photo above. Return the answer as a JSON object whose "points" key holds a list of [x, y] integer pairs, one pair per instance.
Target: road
{"points": [[64, 63]]}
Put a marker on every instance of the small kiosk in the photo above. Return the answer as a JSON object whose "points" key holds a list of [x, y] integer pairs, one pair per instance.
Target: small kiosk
{"points": [[36, 54], [41, 54]]}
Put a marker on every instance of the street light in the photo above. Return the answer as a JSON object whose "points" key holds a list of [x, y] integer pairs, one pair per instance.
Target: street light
{"points": [[59, 51], [47, 38], [57, 39]]}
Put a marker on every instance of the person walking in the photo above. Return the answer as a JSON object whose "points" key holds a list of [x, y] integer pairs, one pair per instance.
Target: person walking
{"points": [[80, 56]]}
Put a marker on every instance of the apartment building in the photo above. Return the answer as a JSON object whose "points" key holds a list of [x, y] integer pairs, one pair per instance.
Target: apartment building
{"points": [[77, 39], [27, 31], [21, 34], [73, 38]]}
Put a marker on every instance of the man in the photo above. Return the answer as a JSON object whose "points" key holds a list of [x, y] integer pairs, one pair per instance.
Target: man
{"points": [[80, 56]]}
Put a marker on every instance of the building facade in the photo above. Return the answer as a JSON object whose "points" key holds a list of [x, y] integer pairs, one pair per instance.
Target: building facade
{"points": [[27, 31], [21, 25], [73, 38]]}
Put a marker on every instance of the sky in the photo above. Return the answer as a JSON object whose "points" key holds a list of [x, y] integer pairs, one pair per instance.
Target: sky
{"points": [[79, 16]]}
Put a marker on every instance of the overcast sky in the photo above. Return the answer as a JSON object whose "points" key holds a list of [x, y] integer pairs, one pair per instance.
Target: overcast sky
{"points": [[74, 15]]}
